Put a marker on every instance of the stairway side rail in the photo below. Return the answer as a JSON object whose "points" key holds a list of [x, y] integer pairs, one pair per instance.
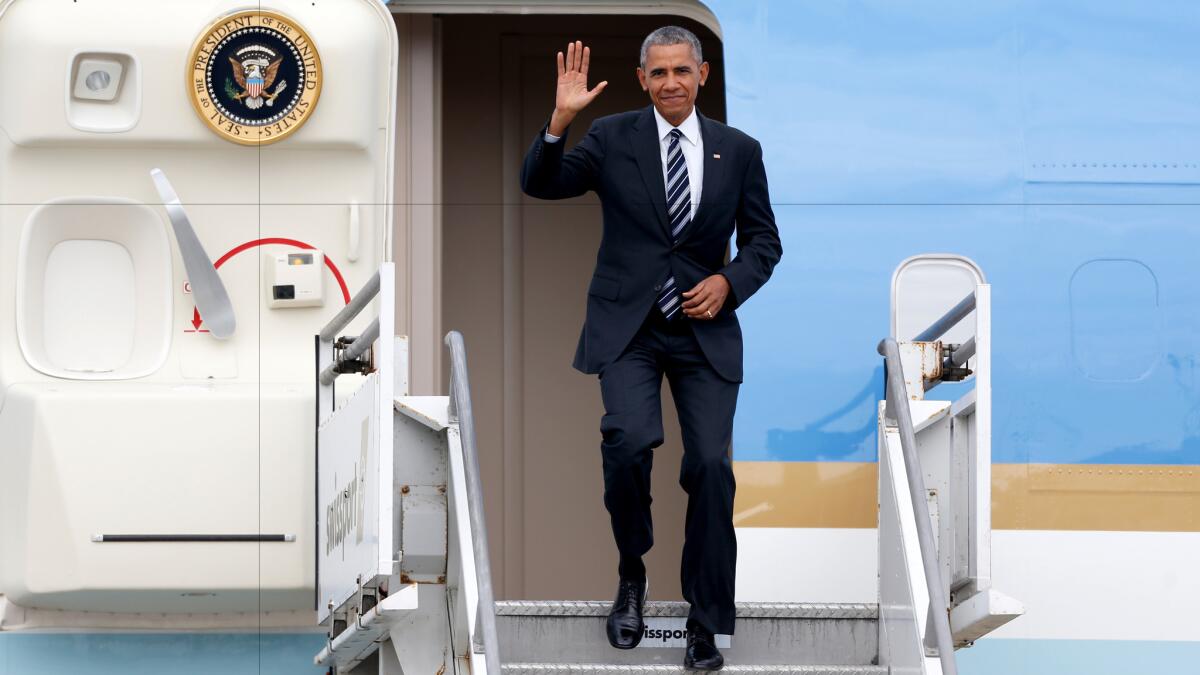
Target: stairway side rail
{"points": [[343, 318], [327, 362], [354, 439], [948, 320], [462, 414], [897, 403], [978, 449], [969, 561]]}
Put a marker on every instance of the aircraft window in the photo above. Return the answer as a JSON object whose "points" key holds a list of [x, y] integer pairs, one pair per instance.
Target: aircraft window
{"points": [[1116, 329]]}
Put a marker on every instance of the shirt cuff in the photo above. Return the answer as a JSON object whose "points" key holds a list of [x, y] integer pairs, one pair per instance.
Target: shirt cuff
{"points": [[551, 138]]}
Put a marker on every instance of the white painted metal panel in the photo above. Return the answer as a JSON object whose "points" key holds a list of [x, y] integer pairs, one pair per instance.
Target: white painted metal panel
{"points": [[979, 563], [902, 587], [347, 497], [385, 364], [355, 536], [361, 638], [981, 614], [934, 451]]}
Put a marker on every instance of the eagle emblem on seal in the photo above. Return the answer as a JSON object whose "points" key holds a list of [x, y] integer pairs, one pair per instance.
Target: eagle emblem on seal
{"points": [[254, 76], [255, 68]]}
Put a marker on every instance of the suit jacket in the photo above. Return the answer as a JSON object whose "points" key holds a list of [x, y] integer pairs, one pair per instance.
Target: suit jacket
{"points": [[620, 160]]}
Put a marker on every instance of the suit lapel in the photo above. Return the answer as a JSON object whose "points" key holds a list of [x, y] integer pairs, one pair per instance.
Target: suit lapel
{"points": [[714, 173], [646, 148]]}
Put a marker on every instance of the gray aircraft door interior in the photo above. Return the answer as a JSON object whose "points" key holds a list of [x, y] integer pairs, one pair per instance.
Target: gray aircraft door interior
{"points": [[516, 274], [188, 192]]}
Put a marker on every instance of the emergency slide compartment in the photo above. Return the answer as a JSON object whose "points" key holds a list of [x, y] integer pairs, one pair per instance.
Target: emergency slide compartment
{"points": [[155, 457]]}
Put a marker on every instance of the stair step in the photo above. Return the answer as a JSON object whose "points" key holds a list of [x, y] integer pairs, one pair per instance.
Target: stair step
{"points": [[545, 634], [584, 668], [752, 610]]}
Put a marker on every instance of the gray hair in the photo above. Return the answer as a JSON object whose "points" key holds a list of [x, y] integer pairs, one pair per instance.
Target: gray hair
{"points": [[671, 35]]}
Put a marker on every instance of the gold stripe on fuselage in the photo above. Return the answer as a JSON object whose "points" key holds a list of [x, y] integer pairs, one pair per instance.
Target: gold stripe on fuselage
{"points": [[805, 494], [1108, 497]]}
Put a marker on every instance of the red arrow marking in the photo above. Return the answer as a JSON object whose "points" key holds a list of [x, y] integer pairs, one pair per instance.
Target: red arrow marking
{"points": [[333, 269]]}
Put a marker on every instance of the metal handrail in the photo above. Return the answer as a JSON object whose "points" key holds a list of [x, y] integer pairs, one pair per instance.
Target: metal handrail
{"points": [[938, 328], [962, 354], [351, 310], [460, 411], [342, 319], [356, 349], [897, 402]]}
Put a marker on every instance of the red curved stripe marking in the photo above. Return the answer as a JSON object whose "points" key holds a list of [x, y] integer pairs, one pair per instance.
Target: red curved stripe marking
{"points": [[337, 274]]}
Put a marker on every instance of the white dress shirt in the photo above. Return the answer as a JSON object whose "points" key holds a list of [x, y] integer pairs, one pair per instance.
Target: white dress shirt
{"points": [[691, 144]]}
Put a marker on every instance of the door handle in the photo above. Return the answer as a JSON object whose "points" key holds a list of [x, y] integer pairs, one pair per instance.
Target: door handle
{"points": [[211, 297]]}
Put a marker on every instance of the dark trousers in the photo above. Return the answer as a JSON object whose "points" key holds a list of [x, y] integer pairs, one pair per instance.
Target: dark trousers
{"points": [[632, 428]]}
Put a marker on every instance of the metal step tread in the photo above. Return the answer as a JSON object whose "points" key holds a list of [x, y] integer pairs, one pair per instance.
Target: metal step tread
{"points": [[745, 610], [659, 669]]}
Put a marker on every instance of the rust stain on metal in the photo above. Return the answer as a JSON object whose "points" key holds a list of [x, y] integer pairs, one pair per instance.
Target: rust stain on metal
{"points": [[404, 489], [931, 360], [442, 669]]}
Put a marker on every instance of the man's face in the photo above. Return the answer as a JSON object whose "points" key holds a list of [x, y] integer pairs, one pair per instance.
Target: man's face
{"points": [[673, 78]]}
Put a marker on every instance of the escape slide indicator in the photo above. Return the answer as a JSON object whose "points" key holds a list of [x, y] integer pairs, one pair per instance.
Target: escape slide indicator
{"points": [[254, 77], [198, 321]]}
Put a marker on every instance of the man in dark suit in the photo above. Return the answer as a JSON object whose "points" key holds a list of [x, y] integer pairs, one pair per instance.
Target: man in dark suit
{"points": [[672, 185]]}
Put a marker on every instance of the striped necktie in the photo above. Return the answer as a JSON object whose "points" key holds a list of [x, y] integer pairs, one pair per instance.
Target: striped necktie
{"points": [[679, 213]]}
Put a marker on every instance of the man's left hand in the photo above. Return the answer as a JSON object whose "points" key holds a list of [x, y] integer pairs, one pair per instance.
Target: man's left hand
{"points": [[706, 298]]}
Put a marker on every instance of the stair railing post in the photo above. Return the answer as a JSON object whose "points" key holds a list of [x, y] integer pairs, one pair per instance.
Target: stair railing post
{"points": [[897, 402], [462, 414]]}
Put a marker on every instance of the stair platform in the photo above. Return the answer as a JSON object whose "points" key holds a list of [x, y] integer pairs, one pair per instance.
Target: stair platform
{"points": [[664, 669], [553, 637]]}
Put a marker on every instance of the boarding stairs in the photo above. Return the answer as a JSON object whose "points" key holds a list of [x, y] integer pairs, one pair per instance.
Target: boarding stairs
{"points": [[403, 574], [561, 638]]}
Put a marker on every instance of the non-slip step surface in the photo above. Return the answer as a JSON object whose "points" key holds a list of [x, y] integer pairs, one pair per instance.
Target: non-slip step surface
{"points": [[756, 610], [599, 668], [766, 634]]}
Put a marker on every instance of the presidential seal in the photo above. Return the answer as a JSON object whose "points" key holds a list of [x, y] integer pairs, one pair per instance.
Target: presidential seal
{"points": [[254, 77]]}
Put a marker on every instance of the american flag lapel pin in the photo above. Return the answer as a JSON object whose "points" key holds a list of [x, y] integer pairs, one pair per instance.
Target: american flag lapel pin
{"points": [[716, 156]]}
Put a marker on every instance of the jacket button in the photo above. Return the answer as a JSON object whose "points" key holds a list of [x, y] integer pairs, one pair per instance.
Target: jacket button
{"points": [[658, 287]]}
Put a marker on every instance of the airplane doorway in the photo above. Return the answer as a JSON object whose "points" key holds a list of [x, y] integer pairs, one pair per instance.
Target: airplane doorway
{"points": [[514, 279]]}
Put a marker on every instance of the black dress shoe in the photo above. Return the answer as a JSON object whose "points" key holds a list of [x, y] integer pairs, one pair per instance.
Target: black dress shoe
{"points": [[702, 652], [625, 625]]}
